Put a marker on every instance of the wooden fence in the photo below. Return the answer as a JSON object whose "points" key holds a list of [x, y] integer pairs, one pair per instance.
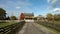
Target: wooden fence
{"points": [[10, 20], [11, 28]]}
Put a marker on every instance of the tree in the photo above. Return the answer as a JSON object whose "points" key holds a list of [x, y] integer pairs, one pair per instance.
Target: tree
{"points": [[57, 17], [8, 18], [35, 18], [2, 14], [50, 17], [13, 18]]}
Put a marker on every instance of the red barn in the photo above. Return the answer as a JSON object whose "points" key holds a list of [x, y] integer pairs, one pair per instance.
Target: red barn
{"points": [[22, 16], [26, 16]]}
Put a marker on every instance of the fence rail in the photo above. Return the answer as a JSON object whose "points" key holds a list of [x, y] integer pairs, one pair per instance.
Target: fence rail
{"points": [[10, 20]]}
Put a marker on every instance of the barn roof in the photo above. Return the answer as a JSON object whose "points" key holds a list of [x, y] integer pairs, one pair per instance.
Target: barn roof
{"points": [[29, 14]]}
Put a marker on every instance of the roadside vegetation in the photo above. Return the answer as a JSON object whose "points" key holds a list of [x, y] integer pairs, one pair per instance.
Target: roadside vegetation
{"points": [[51, 21]]}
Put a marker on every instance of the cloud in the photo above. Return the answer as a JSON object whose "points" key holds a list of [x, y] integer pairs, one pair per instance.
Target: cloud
{"points": [[54, 1], [56, 9], [18, 7], [55, 4], [48, 1]]}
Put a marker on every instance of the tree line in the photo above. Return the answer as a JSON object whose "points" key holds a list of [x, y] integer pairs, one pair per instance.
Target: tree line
{"points": [[49, 16], [4, 17], [55, 17]]}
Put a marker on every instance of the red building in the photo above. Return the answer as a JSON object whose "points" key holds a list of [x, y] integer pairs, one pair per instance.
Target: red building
{"points": [[22, 16], [25, 16]]}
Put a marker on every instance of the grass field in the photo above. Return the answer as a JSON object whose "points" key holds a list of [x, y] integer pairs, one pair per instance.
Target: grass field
{"points": [[3, 24]]}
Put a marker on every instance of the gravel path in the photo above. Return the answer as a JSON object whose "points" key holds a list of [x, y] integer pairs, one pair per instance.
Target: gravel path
{"points": [[34, 28]]}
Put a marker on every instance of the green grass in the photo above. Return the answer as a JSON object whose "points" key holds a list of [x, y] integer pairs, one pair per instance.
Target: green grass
{"points": [[57, 22], [54, 30], [51, 29], [3, 24]]}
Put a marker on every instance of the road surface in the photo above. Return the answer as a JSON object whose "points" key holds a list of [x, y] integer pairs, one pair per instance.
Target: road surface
{"points": [[34, 28]]}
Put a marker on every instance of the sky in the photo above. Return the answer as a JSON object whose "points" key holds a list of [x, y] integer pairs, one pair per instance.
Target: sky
{"points": [[38, 7]]}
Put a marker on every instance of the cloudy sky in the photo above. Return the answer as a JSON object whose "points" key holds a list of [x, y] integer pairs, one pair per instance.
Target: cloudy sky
{"points": [[38, 7]]}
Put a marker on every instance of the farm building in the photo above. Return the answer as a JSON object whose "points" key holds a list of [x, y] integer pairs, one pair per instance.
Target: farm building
{"points": [[25, 16]]}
